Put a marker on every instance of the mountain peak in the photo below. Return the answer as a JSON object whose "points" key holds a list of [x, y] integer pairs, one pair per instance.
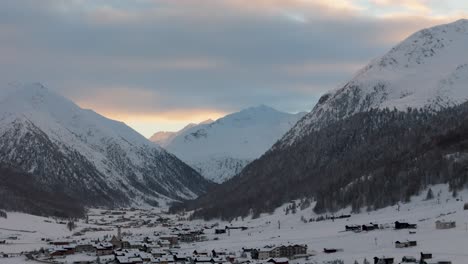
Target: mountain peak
{"points": [[424, 71]]}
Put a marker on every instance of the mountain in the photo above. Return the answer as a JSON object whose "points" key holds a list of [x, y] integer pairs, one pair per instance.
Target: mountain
{"points": [[427, 70], [163, 138], [221, 149], [86, 156], [395, 128]]}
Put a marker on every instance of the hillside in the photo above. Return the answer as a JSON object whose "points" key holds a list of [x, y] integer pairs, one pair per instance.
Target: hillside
{"points": [[391, 131], [92, 159], [220, 149]]}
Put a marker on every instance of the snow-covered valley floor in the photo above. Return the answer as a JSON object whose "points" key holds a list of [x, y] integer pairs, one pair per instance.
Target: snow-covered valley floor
{"points": [[449, 244]]}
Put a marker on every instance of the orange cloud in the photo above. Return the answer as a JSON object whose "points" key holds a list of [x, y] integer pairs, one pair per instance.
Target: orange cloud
{"points": [[415, 6], [138, 108], [149, 123]]}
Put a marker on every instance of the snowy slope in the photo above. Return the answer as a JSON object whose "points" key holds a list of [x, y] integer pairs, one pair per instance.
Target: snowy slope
{"points": [[163, 138], [427, 70], [85, 154], [221, 149]]}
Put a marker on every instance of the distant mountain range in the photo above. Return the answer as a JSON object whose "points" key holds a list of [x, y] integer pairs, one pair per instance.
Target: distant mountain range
{"points": [[220, 149], [399, 125], [85, 156]]}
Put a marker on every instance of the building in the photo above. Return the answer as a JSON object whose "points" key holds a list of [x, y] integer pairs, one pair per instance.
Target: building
{"points": [[405, 244], [265, 253], [282, 252], [383, 260], [278, 260], [354, 228], [370, 227], [400, 225], [409, 259], [103, 249], [173, 240], [445, 225]]}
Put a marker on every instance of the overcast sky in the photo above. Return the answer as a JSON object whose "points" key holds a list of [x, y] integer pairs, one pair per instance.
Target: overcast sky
{"points": [[160, 64]]}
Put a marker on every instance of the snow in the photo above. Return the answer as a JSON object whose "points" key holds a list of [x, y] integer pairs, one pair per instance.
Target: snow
{"points": [[443, 244], [427, 70], [220, 149], [80, 130]]}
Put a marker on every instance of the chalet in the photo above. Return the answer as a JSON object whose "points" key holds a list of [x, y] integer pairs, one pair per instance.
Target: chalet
{"points": [[405, 244], [383, 260], [2, 242], [370, 227], [220, 231], [237, 227], [445, 225], [173, 240], [354, 228], [332, 250], [400, 225], [62, 251], [103, 249], [408, 259], [278, 260], [425, 256], [84, 247]]}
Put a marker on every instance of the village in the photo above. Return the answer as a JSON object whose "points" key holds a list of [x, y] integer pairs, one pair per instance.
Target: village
{"points": [[137, 236]]}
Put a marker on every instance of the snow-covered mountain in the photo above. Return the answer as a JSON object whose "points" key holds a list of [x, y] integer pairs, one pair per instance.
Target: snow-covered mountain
{"points": [[427, 70], [79, 152], [163, 138], [221, 149]]}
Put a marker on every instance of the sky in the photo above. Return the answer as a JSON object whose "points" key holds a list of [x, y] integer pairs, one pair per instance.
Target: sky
{"points": [[158, 65]]}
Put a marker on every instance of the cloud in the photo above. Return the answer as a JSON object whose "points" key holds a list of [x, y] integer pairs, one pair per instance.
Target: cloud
{"points": [[164, 60]]}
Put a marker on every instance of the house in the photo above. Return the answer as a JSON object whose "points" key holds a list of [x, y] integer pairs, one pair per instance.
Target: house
{"points": [[425, 256], [332, 250], [383, 260], [103, 249], [465, 207], [278, 260], [408, 259], [406, 244], [445, 225], [354, 228], [400, 225], [84, 247], [220, 231], [173, 240], [370, 227], [62, 251]]}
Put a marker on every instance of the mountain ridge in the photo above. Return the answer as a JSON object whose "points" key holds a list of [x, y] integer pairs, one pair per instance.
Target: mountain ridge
{"points": [[93, 159], [220, 149]]}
